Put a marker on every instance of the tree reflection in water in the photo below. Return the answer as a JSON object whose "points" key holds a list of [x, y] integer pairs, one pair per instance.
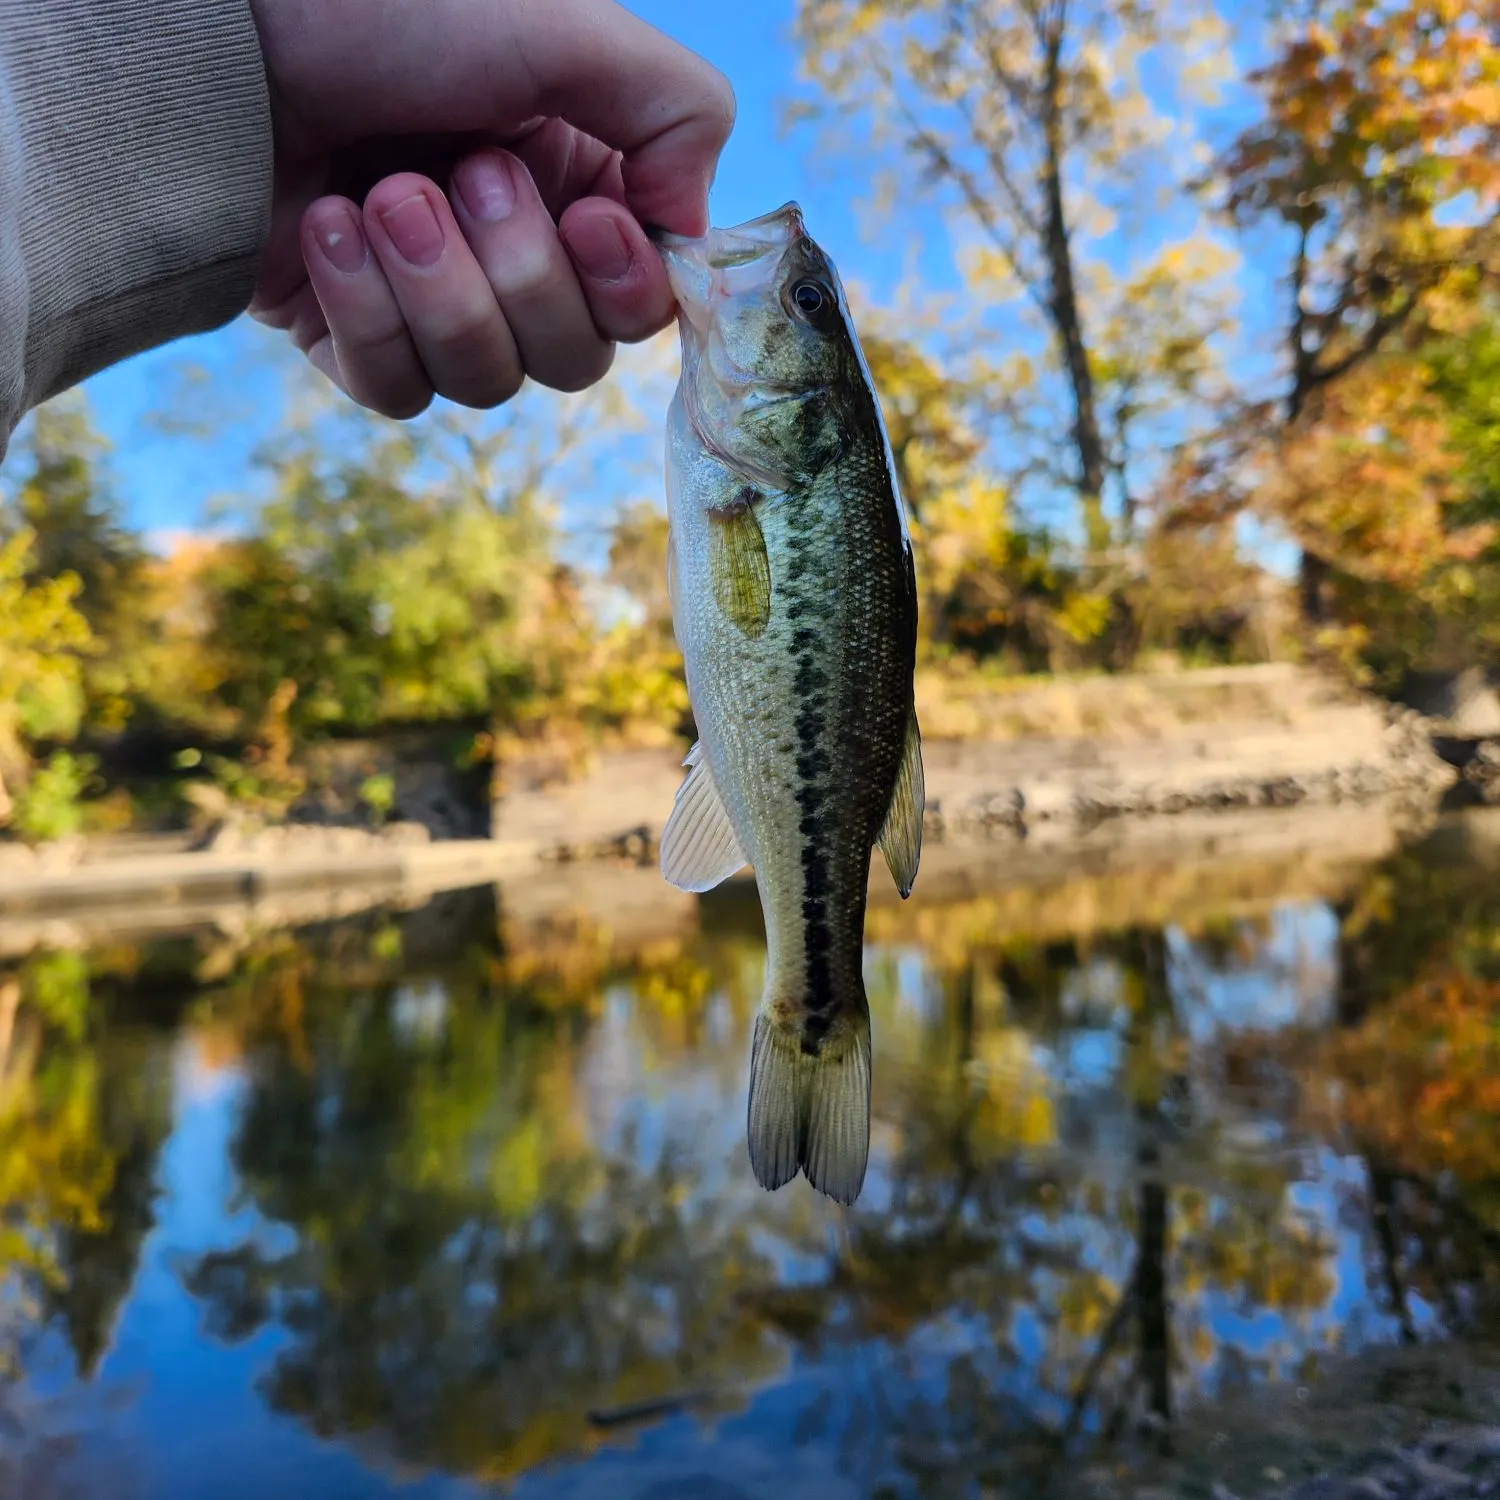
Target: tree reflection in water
{"points": [[501, 1214]]}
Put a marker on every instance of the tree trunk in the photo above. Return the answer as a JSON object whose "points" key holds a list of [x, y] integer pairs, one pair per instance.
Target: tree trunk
{"points": [[1313, 577], [10, 1001], [1382, 1215], [1145, 952], [1312, 570], [496, 778], [1062, 298], [1152, 1304]]}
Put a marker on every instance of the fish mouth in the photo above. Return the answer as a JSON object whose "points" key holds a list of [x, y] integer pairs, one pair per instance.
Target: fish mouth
{"points": [[723, 248], [707, 271], [706, 268]]}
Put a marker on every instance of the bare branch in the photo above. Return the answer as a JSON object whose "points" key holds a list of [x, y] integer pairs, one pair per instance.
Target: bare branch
{"points": [[1374, 336], [1001, 173]]}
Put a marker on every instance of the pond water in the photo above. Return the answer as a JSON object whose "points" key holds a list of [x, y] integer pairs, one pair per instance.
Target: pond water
{"points": [[412, 1205]]}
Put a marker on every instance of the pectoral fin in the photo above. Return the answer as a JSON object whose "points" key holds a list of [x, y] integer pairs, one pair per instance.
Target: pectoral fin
{"points": [[900, 837], [699, 847], [740, 567]]}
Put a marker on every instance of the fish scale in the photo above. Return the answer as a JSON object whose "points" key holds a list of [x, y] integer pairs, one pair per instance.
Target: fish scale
{"points": [[794, 605]]}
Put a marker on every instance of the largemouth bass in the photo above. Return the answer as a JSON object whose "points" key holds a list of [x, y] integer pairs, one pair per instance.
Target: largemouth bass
{"points": [[794, 603]]}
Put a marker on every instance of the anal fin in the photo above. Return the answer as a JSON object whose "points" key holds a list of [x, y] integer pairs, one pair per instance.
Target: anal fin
{"points": [[699, 847]]}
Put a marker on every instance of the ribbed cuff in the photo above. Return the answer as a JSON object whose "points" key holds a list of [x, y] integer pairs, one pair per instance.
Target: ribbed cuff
{"points": [[145, 134]]}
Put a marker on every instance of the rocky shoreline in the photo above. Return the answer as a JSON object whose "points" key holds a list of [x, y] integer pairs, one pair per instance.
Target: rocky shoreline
{"points": [[1277, 740], [1358, 753], [1400, 763], [1462, 1464]]}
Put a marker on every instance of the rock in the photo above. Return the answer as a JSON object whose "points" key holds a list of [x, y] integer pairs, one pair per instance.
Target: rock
{"points": [[1465, 700], [934, 825], [406, 835], [1468, 1445], [1483, 771], [1338, 1489], [637, 845], [226, 836]]}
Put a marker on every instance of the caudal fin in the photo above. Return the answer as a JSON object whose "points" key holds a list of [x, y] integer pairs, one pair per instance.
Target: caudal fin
{"points": [[810, 1110]]}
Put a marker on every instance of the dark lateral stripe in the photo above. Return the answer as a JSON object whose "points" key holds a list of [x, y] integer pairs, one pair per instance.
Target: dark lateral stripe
{"points": [[806, 603], [812, 762]]}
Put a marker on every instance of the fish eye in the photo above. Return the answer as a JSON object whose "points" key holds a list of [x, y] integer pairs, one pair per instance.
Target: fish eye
{"points": [[809, 297]]}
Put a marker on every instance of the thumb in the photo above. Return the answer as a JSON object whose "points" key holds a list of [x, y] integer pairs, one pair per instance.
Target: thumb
{"points": [[665, 109], [353, 70]]}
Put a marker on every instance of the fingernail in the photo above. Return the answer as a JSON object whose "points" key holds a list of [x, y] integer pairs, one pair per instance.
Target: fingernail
{"points": [[414, 230], [486, 186], [341, 240], [600, 249]]}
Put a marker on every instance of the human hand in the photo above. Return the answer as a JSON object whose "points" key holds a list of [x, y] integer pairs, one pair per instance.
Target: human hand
{"points": [[559, 127]]}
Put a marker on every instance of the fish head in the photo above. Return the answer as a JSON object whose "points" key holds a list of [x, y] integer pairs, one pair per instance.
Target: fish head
{"points": [[769, 354]]}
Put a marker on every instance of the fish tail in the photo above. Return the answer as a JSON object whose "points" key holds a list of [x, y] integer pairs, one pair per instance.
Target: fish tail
{"points": [[810, 1105]]}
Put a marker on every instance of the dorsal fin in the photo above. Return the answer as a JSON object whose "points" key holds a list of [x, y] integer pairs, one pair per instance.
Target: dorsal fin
{"points": [[900, 837]]}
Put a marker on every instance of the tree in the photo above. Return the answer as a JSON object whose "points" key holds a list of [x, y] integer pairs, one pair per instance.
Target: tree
{"points": [[1031, 119], [929, 410], [82, 1120], [396, 574], [1158, 356], [1373, 484], [471, 1269], [992, 586], [1378, 154], [64, 498], [42, 638]]}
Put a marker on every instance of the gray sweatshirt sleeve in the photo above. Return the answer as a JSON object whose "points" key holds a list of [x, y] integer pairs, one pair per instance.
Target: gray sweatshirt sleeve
{"points": [[135, 182]]}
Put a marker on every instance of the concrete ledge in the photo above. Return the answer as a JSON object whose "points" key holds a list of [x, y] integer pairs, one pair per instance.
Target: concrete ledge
{"points": [[246, 878]]}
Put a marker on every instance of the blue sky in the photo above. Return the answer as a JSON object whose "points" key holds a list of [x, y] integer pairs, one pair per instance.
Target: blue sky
{"points": [[227, 388], [166, 478]]}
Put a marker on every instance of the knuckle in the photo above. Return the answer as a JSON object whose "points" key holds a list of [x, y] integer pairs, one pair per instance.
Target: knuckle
{"points": [[635, 325], [385, 344], [473, 360], [466, 341], [483, 397], [395, 386], [528, 269], [483, 388], [585, 368], [309, 328], [400, 407]]}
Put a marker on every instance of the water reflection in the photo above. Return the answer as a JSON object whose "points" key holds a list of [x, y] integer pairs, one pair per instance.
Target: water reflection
{"points": [[471, 1202]]}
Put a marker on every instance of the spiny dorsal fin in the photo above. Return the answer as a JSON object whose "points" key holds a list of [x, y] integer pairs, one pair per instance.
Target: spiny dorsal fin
{"points": [[738, 562], [699, 847], [900, 837], [810, 1110]]}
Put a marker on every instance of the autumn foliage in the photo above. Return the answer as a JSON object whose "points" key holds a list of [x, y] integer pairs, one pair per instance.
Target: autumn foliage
{"points": [[1215, 285]]}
